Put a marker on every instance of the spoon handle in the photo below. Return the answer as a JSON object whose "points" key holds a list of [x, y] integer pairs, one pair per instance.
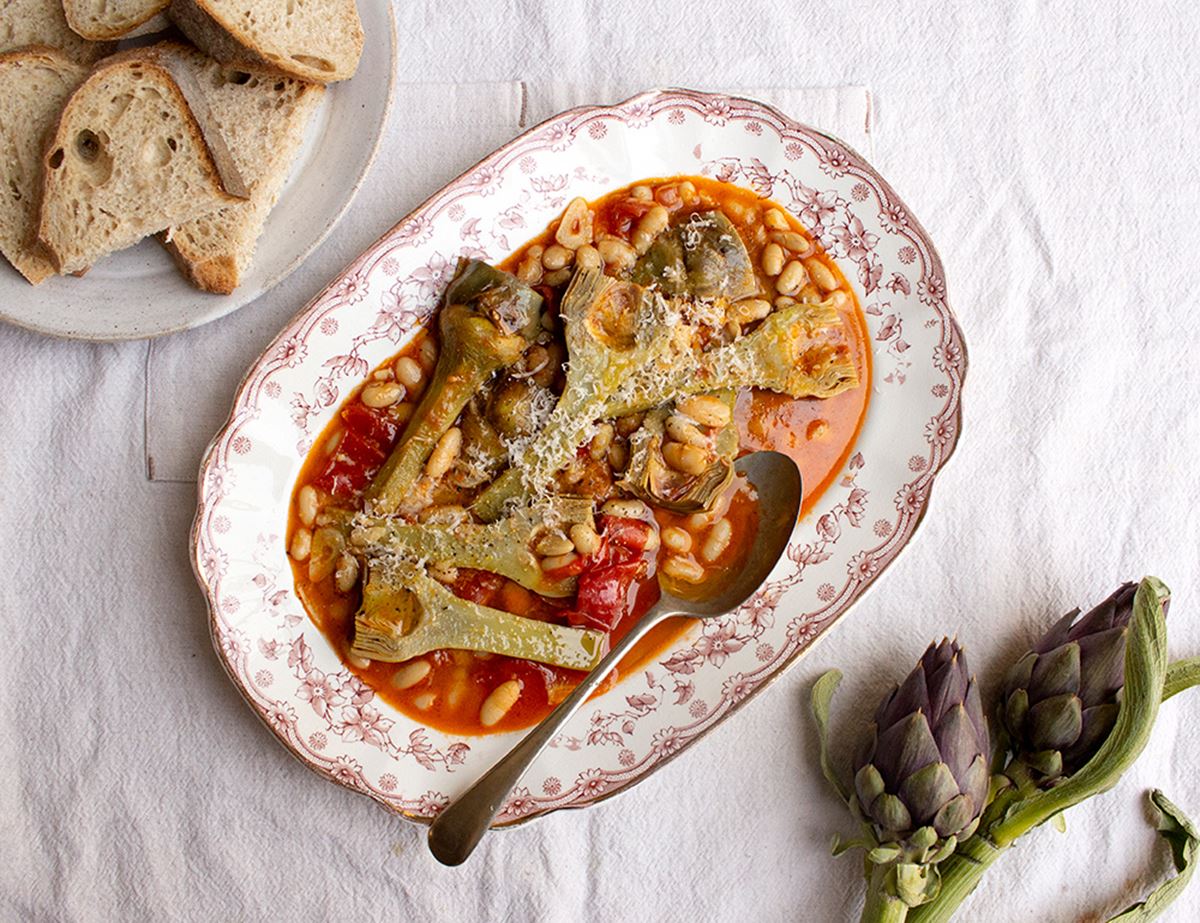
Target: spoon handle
{"points": [[456, 832]]}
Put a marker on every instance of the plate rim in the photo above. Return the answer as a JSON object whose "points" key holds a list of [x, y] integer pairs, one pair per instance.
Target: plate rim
{"points": [[271, 283], [209, 456]]}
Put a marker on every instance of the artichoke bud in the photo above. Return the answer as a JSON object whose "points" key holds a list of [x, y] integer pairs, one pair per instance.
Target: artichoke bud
{"points": [[1060, 699], [921, 776]]}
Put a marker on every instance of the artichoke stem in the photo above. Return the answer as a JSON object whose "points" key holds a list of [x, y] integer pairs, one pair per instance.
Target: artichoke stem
{"points": [[960, 874], [882, 907]]}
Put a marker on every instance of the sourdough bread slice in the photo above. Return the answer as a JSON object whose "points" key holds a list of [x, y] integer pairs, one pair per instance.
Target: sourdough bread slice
{"points": [[34, 84], [319, 40], [261, 116], [24, 23], [126, 159], [105, 20]]}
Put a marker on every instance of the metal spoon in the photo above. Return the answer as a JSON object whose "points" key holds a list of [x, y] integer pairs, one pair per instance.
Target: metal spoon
{"points": [[456, 832]]}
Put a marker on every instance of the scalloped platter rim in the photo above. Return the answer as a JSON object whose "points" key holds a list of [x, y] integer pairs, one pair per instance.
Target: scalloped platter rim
{"points": [[288, 672]]}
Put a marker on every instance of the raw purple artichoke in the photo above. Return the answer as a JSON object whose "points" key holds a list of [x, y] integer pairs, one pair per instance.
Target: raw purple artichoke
{"points": [[922, 776], [1060, 699]]}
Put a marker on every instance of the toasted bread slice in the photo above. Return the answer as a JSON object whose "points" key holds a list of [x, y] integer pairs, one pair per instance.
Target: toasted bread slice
{"points": [[34, 84], [127, 159], [319, 40], [106, 20], [24, 23], [261, 116]]}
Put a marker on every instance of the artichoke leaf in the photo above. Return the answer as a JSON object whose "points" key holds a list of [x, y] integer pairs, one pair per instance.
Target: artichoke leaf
{"points": [[1181, 836], [488, 320], [406, 613], [502, 547]]}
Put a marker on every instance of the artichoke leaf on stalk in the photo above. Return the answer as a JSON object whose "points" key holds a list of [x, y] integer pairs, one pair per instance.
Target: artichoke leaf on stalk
{"points": [[406, 613], [502, 547], [488, 319], [630, 350]]}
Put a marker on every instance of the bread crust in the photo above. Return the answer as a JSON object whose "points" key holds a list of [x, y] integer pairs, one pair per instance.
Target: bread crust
{"points": [[155, 20], [206, 28]]}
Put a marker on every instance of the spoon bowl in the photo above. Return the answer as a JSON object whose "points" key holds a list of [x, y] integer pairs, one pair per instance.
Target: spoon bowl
{"points": [[456, 832]]}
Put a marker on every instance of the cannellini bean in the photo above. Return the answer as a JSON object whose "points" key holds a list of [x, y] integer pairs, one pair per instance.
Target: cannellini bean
{"points": [[558, 277], [361, 662], [575, 229], [736, 210], [810, 294], [382, 394], [409, 372], [839, 298], [677, 540], [499, 702], [652, 539], [687, 190], [717, 540], [529, 270], [588, 257], [681, 429], [409, 674], [750, 309], [307, 504], [327, 545], [626, 509], [772, 259], [682, 569], [383, 375], [775, 219], [458, 685], [792, 240], [598, 447], [557, 561], [648, 227], [705, 410], [585, 538], [642, 193], [688, 459], [301, 544], [554, 543], [784, 301], [425, 701], [821, 274], [427, 354], [557, 256], [699, 520], [791, 279], [346, 574], [616, 253], [445, 453], [618, 456]]}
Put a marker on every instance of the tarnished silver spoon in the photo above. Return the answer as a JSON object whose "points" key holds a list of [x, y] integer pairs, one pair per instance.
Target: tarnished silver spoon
{"points": [[456, 832]]}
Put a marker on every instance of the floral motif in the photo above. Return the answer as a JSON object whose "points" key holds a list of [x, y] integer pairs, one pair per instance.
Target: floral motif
{"points": [[330, 717]]}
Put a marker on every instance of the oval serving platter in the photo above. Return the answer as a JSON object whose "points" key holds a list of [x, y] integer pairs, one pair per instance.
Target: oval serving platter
{"points": [[291, 676]]}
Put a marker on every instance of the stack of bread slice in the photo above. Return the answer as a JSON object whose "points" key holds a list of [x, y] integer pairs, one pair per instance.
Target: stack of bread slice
{"points": [[101, 150]]}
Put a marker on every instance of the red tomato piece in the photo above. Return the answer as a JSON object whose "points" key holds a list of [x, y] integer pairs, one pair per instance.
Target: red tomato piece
{"points": [[606, 595], [478, 586], [365, 444]]}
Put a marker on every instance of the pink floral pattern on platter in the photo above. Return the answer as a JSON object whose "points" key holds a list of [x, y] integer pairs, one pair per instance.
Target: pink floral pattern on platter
{"points": [[280, 662]]}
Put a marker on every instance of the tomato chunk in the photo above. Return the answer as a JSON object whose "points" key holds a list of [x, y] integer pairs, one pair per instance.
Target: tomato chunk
{"points": [[606, 595], [365, 444]]}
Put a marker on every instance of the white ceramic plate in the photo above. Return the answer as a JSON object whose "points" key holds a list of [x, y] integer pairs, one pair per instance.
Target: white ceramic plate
{"points": [[139, 292], [288, 672]]}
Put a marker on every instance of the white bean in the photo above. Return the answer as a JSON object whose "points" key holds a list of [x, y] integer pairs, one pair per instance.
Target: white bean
{"points": [[445, 453], [821, 274], [626, 509], [558, 561], [557, 256], [382, 394], [683, 569], [346, 574], [307, 504], [409, 674], [588, 257], [553, 544], [717, 540], [649, 226], [616, 253], [775, 220], [681, 429], [584, 538], [705, 410], [677, 540], [499, 702], [792, 279], [687, 459], [301, 544], [772, 259], [409, 372]]}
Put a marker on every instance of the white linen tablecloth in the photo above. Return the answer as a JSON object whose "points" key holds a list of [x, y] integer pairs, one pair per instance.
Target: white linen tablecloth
{"points": [[1048, 149]]}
